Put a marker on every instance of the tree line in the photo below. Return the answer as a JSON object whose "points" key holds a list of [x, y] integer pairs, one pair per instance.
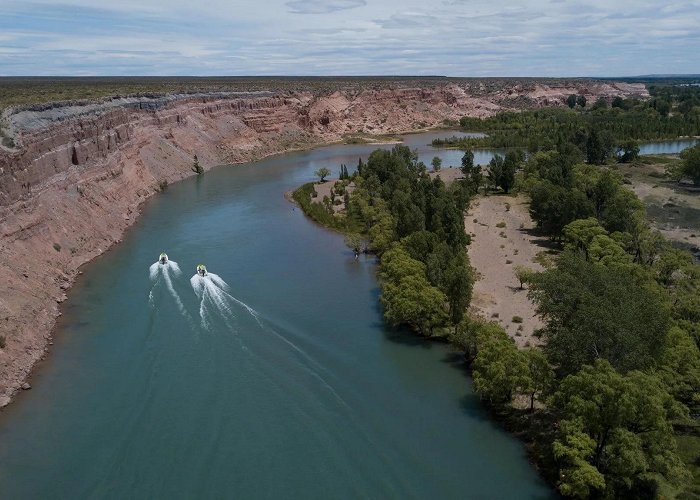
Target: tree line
{"points": [[600, 133], [617, 374], [618, 370]]}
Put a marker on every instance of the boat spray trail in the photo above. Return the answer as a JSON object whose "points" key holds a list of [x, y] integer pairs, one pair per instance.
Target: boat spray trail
{"points": [[165, 273], [213, 295]]}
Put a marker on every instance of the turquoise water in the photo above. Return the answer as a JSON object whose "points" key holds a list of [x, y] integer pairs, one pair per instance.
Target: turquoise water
{"points": [[285, 385], [666, 147]]}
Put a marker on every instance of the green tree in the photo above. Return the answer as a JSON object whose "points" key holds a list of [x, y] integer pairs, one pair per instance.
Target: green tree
{"points": [[553, 206], [499, 370], [662, 106], [354, 242], [679, 368], [457, 284], [322, 173], [581, 101], [472, 173], [412, 301], [579, 234], [511, 164], [690, 167], [615, 428], [571, 101], [608, 251], [593, 311], [436, 163], [618, 102], [598, 147], [196, 167], [601, 103], [523, 274], [495, 172], [541, 376], [629, 151]]}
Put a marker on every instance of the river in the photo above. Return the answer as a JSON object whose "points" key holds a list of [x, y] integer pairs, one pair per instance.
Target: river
{"points": [[285, 385]]}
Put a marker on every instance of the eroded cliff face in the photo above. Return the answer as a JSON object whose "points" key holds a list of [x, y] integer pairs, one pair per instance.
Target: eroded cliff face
{"points": [[78, 175]]}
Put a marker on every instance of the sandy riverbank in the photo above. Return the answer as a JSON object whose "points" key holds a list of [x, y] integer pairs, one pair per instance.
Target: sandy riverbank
{"points": [[502, 238]]}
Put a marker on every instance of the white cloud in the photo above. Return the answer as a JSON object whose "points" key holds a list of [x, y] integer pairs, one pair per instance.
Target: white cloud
{"points": [[455, 37], [322, 6]]}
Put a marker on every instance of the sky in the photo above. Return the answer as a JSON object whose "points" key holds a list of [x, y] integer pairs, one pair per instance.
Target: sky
{"points": [[349, 37]]}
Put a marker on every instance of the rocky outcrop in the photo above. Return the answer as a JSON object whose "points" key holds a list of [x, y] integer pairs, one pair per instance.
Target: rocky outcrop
{"points": [[78, 173]]}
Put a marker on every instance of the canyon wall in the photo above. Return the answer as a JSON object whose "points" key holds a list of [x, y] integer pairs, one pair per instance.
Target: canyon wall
{"points": [[78, 173]]}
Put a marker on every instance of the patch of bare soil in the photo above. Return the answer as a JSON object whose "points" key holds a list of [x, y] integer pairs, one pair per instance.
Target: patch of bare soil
{"points": [[448, 175], [326, 188], [502, 238], [672, 208]]}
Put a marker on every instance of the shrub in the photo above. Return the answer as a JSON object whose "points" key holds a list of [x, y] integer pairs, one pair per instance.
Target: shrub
{"points": [[57, 247], [163, 185], [319, 212], [2, 342], [517, 319], [196, 167], [501, 225]]}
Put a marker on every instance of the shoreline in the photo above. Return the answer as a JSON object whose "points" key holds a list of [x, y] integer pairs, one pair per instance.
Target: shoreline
{"points": [[53, 327]]}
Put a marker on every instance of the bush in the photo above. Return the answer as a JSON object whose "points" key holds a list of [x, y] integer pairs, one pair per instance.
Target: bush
{"points": [[57, 247], [501, 225], [517, 319], [196, 167], [3, 343], [163, 185]]}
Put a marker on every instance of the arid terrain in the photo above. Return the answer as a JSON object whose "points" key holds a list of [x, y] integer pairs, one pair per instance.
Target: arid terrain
{"points": [[673, 209], [501, 232], [73, 175]]}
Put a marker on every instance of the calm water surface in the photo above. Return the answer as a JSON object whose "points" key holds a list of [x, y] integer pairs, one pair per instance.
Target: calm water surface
{"points": [[666, 147], [286, 385]]}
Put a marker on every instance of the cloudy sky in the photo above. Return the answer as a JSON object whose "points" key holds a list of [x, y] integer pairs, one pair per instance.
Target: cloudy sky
{"points": [[349, 37]]}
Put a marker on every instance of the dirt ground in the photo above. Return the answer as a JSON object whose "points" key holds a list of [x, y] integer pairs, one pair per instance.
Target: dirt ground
{"points": [[494, 252], [448, 175], [324, 189], [672, 209]]}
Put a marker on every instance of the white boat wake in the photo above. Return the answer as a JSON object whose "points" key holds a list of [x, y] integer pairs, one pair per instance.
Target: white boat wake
{"points": [[165, 273], [213, 295]]}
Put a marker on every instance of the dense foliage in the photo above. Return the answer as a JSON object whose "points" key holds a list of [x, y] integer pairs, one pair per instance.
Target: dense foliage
{"points": [[619, 365], [618, 369], [416, 225], [597, 134]]}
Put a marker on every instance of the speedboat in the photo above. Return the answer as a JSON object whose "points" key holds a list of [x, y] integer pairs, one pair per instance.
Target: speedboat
{"points": [[163, 258], [201, 270]]}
